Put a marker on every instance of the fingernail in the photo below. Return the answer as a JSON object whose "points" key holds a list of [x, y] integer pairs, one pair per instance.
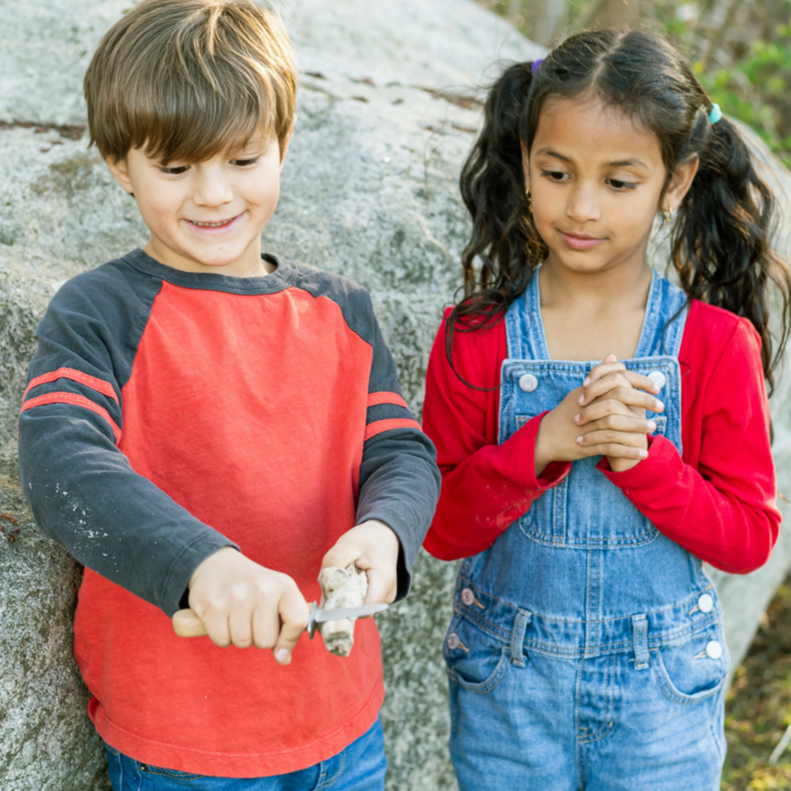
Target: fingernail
{"points": [[282, 655], [576, 418], [581, 399], [659, 406], [579, 439], [643, 454], [651, 425], [586, 382]]}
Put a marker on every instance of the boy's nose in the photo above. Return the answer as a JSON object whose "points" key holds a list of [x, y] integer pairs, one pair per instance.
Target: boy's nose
{"points": [[583, 205], [212, 189]]}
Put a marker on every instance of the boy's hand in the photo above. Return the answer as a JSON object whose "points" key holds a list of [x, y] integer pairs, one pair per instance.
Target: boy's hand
{"points": [[244, 604], [373, 547], [606, 416]]}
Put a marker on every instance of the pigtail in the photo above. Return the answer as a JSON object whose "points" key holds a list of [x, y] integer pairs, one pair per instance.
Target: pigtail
{"points": [[493, 189], [721, 244]]}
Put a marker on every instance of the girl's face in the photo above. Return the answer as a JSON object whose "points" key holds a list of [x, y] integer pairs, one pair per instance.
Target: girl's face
{"points": [[596, 184]]}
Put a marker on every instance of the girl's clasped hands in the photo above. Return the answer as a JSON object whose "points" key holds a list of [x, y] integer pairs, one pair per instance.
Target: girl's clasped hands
{"points": [[604, 417]]}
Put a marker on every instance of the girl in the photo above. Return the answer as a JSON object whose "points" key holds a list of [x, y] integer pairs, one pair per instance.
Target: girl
{"points": [[586, 648]]}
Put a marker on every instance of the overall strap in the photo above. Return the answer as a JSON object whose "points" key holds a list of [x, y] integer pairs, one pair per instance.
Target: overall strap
{"points": [[523, 327]]}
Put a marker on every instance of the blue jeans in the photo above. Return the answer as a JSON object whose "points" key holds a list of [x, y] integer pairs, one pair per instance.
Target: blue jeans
{"points": [[360, 767]]}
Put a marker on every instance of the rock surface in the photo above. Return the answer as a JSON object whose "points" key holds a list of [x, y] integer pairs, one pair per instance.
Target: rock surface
{"points": [[389, 102]]}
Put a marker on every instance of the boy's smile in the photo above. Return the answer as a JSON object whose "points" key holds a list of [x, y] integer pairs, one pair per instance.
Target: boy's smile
{"points": [[207, 216]]}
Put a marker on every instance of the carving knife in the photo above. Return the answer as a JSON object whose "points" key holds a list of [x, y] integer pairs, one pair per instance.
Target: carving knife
{"points": [[187, 624]]}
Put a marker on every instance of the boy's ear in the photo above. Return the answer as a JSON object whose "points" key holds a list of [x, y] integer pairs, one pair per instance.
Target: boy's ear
{"points": [[120, 172], [680, 182]]}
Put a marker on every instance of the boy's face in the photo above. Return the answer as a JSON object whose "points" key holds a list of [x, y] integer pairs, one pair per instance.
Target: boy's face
{"points": [[207, 216]]}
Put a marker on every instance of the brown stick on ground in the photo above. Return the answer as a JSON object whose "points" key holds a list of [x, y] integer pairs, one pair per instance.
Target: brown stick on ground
{"points": [[341, 588]]}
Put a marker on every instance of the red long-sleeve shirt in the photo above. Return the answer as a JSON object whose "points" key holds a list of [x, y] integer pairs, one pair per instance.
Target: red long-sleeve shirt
{"points": [[717, 499]]}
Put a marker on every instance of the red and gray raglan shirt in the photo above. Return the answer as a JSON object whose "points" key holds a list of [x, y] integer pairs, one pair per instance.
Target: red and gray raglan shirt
{"points": [[169, 414]]}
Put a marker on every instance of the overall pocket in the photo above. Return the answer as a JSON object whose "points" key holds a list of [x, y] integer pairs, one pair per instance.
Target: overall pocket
{"points": [[694, 670], [476, 660]]}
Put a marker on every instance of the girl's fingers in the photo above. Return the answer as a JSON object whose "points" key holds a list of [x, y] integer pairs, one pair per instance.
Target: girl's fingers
{"points": [[610, 437], [615, 450], [604, 368], [593, 389], [627, 396], [626, 421]]}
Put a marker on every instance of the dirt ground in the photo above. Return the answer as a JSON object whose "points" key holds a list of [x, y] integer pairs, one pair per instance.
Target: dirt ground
{"points": [[758, 708]]}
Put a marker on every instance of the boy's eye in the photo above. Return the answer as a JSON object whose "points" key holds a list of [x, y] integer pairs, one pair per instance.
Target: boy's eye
{"points": [[555, 175], [617, 184], [175, 171], [244, 163]]}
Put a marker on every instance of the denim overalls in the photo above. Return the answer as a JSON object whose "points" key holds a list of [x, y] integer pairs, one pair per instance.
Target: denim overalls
{"points": [[586, 650]]}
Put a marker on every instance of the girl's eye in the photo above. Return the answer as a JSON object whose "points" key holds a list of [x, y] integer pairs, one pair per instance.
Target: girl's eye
{"points": [[555, 175], [244, 163], [175, 171], [619, 185]]}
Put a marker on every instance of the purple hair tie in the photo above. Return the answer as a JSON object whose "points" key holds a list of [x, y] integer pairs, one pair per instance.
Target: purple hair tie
{"points": [[536, 64]]}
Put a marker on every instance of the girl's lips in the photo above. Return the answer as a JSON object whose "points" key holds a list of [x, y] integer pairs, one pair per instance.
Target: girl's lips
{"points": [[213, 230], [579, 241]]}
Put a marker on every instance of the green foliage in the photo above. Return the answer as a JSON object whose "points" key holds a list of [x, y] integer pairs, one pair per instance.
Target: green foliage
{"points": [[754, 89]]}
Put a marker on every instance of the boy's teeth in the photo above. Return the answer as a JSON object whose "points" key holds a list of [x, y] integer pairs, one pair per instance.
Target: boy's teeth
{"points": [[210, 224]]}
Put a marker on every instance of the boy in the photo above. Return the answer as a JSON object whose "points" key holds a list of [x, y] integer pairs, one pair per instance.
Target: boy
{"points": [[207, 426]]}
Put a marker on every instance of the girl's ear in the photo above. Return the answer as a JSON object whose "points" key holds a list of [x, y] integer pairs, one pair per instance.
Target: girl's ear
{"points": [[525, 164], [679, 185], [120, 172]]}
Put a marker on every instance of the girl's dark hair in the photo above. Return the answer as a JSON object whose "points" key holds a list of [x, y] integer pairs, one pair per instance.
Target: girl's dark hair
{"points": [[720, 242]]}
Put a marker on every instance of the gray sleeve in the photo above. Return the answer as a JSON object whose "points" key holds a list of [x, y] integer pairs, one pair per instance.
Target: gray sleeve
{"points": [[80, 486], [399, 477]]}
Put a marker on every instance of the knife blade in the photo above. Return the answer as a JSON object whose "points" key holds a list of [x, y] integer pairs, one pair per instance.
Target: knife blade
{"points": [[318, 616]]}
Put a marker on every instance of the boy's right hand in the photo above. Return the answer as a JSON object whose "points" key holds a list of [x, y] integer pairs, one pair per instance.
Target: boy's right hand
{"points": [[242, 603]]}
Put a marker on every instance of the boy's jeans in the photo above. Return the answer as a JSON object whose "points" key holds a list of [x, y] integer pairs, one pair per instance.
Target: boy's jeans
{"points": [[360, 767]]}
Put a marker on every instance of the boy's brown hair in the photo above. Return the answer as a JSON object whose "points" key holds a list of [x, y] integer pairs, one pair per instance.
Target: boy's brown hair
{"points": [[185, 79]]}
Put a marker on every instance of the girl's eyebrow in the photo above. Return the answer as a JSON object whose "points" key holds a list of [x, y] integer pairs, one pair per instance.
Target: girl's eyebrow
{"points": [[623, 163]]}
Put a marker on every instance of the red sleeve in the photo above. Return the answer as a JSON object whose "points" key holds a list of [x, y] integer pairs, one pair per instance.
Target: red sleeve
{"points": [[719, 500], [485, 486]]}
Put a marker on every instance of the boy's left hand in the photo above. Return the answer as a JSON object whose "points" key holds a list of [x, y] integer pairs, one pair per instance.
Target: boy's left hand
{"points": [[373, 547]]}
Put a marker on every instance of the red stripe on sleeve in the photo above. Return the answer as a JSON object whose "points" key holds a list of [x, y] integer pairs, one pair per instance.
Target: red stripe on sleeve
{"points": [[105, 388], [374, 399], [387, 425], [75, 400]]}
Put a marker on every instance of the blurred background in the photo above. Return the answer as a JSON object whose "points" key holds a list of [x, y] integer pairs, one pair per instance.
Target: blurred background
{"points": [[741, 49], [741, 52]]}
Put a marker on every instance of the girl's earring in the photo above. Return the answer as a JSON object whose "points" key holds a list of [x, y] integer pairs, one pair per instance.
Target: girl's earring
{"points": [[529, 200], [668, 215]]}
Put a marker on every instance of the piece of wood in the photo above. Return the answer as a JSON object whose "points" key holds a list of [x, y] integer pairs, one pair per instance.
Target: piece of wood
{"points": [[187, 624], [341, 588]]}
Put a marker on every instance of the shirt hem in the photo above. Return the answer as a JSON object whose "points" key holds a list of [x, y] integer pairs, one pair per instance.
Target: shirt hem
{"points": [[186, 759]]}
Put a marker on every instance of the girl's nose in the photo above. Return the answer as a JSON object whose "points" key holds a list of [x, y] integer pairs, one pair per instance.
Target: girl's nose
{"points": [[583, 205]]}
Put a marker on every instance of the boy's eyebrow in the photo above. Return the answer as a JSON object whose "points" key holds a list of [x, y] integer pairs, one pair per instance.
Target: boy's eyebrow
{"points": [[622, 163]]}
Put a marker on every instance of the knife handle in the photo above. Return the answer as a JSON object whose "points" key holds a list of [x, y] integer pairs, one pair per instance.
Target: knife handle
{"points": [[187, 624]]}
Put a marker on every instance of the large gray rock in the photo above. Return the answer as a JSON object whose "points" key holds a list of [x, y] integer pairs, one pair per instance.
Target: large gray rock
{"points": [[387, 112]]}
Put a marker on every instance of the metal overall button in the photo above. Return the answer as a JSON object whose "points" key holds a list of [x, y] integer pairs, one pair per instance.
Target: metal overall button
{"points": [[467, 596], [705, 603], [658, 378], [528, 383], [453, 641], [713, 649]]}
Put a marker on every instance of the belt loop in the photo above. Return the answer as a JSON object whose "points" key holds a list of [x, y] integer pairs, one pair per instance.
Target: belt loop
{"points": [[518, 638], [640, 641]]}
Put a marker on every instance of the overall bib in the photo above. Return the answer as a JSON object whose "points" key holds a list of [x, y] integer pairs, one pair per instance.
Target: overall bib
{"points": [[586, 649]]}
